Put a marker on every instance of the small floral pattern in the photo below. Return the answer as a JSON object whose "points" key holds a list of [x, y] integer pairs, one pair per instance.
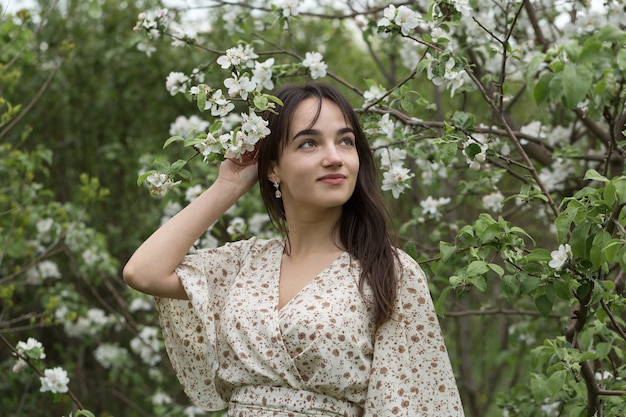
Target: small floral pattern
{"points": [[231, 347]]}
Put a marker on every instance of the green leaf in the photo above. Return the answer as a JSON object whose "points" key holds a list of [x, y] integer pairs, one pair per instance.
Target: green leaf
{"points": [[543, 304], [411, 249], [479, 282], [496, 268], [446, 151], [529, 284], [143, 176], [447, 251], [439, 304], [477, 268], [539, 255], [594, 175], [578, 241], [562, 289], [576, 83], [610, 33], [596, 254], [172, 140], [533, 67], [510, 287], [542, 89], [564, 221], [463, 120], [556, 382], [602, 349]]}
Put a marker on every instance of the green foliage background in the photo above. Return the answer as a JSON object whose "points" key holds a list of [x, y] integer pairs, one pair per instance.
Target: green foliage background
{"points": [[83, 112]]}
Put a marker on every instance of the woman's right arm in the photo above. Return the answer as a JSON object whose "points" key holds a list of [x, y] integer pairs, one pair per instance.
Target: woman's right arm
{"points": [[151, 269]]}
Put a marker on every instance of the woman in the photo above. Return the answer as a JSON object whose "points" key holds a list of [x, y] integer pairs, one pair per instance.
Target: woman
{"points": [[330, 320]]}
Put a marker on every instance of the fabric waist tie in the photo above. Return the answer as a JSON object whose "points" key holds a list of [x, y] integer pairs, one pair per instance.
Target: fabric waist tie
{"points": [[288, 400]]}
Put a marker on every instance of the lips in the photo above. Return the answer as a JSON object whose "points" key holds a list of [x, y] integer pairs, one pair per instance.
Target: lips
{"points": [[333, 179]]}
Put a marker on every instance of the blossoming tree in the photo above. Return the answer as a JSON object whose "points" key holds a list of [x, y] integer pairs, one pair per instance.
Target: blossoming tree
{"points": [[499, 129]]}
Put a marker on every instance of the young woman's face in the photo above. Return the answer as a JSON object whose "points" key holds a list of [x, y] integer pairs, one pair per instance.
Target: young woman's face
{"points": [[318, 167]]}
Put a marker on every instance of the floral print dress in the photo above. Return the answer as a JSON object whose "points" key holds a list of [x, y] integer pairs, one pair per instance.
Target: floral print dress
{"points": [[319, 355]]}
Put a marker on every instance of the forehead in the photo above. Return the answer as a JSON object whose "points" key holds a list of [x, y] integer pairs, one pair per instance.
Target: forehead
{"points": [[309, 113]]}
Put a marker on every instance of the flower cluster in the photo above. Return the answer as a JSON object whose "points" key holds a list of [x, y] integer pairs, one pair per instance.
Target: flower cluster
{"points": [[147, 345], [399, 17], [314, 61], [396, 177], [430, 206], [31, 349], [55, 380], [448, 73]]}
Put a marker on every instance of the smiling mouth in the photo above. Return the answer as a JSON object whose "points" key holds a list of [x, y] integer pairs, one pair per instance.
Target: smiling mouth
{"points": [[333, 179]]}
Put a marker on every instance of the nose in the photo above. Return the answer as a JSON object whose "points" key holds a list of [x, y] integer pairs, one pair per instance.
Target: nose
{"points": [[332, 157]]}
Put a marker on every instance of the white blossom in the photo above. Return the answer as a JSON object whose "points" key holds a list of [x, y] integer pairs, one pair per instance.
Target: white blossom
{"points": [[387, 125], [146, 344], [236, 226], [48, 269], [316, 65], [19, 365], [184, 126], [396, 180], [262, 74], [407, 19], [560, 256], [493, 201], [289, 7], [90, 257], [161, 398], [54, 380], [193, 411], [240, 55], [254, 126], [139, 304], [176, 82], [193, 192], [463, 7], [373, 94], [159, 184], [239, 86], [431, 206], [220, 106], [109, 355], [31, 348]]}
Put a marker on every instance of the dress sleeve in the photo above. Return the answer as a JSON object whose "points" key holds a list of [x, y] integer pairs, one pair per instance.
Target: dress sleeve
{"points": [[189, 326], [411, 371]]}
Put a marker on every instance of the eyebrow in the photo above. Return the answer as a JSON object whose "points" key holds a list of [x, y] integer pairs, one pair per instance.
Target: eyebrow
{"points": [[315, 132]]}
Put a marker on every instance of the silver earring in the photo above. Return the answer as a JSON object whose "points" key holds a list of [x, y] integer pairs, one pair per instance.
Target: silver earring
{"points": [[277, 194]]}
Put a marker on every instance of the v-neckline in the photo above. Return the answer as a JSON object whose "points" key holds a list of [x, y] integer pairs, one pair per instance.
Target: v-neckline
{"points": [[276, 279]]}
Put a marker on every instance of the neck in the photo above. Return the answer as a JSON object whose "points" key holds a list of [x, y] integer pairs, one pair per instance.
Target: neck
{"points": [[313, 235]]}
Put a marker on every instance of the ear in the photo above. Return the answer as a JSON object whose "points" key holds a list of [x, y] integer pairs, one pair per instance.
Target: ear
{"points": [[272, 173]]}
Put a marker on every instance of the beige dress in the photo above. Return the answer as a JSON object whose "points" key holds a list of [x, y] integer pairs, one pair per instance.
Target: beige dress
{"points": [[319, 355]]}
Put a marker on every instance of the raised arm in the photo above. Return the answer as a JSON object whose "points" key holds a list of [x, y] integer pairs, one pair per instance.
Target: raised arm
{"points": [[151, 268]]}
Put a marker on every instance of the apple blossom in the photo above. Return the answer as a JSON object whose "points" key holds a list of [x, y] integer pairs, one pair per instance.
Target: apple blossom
{"points": [[396, 180], [241, 55], [560, 256], [159, 184], [314, 62], [147, 345], [109, 355], [54, 380], [262, 74], [493, 201], [32, 348], [176, 82], [239, 86], [431, 206], [184, 126]]}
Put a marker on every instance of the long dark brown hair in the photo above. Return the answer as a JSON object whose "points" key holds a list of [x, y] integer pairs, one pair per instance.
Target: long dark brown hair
{"points": [[363, 226]]}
